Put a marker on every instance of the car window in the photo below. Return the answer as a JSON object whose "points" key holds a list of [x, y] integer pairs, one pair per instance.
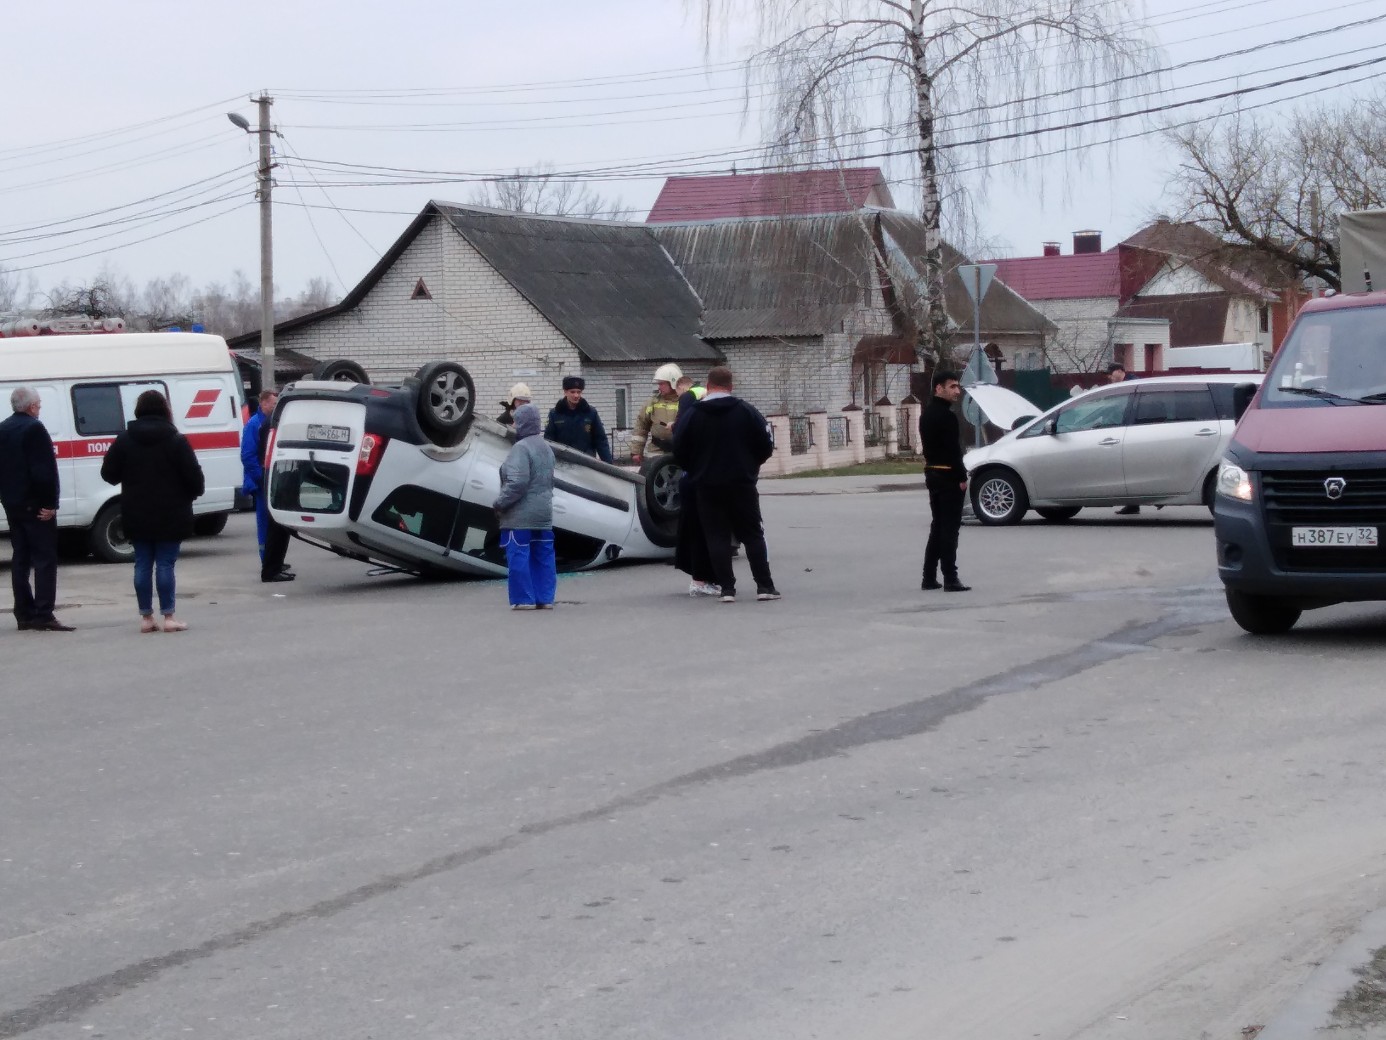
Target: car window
{"points": [[1098, 413], [98, 410], [1187, 404]]}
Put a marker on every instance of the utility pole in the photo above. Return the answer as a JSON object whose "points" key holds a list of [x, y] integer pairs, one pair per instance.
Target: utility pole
{"points": [[266, 183]]}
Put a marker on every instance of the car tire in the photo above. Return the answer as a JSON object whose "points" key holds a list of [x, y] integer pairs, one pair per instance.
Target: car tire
{"points": [[998, 497], [341, 370], [73, 544], [661, 489], [209, 525], [1059, 515], [1262, 615], [446, 402], [1210, 490], [107, 537]]}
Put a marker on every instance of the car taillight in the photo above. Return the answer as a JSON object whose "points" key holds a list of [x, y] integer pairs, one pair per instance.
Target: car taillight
{"points": [[372, 447], [269, 448]]}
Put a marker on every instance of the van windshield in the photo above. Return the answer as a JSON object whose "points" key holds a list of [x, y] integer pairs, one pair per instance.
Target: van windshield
{"points": [[1332, 358]]}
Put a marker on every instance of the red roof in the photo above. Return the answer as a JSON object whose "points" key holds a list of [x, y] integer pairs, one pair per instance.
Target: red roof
{"points": [[769, 194], [1072, 277]]}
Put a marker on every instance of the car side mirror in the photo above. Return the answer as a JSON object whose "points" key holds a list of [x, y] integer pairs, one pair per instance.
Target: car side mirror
{"points": [[1242, 394], [1051, 427]]}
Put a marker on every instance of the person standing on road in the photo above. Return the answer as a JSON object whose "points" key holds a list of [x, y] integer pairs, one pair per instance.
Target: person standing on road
{"points": [[946, 478], [1116, 373], [690, 547], [159, 477], [525, 509], [272, 537], [519, 394], [721, 444], [29, 494], [655, 423], [574, 422]]}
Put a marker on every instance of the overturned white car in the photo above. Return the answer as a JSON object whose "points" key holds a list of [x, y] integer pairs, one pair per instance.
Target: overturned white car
{"points": [[405, 477]]}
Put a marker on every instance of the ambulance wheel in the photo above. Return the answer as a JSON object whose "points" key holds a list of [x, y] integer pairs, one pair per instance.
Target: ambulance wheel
{"points": [[661, 490], [107, 538], [209, 524], [446, 402], [341, 370]]}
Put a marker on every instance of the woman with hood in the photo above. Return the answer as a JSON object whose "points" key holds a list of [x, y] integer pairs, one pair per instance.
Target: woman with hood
{"points": [[159, 477], [525, 508]]}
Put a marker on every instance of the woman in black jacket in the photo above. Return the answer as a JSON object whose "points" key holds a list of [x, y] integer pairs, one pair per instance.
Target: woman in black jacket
{"points": [[159, 477]]}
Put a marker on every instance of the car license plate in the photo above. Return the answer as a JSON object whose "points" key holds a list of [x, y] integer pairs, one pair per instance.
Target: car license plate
{"points": [[1334, 537], [335, 434]]}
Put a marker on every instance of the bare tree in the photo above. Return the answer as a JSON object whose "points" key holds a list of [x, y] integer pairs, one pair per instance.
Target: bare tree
{"points": [[1275, 191], [540, 189], [967, 77]]}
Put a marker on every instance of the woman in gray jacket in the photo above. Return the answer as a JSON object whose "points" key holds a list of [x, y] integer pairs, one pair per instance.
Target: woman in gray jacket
{"points": [[525, 508]]}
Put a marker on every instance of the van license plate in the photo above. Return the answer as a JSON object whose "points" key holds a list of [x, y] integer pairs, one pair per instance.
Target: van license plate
{"points": [[335, 434], [1334, 537]]}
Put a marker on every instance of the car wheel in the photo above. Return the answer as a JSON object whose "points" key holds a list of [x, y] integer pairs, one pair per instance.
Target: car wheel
{"points": [[107, 537], [998, 497], [446, 401], [661, 492], [341, 370], [73, 544], [1059, 515], [1262, 615], [209, 524], [1210, 490]]}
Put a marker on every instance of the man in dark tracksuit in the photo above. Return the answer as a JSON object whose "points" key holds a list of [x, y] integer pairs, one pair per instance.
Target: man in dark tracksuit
{"points": [[29, 494], [721, 444], [946, 478]]}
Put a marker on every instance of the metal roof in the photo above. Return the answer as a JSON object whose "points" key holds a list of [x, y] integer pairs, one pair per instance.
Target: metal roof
{"points": [[769, 194]]}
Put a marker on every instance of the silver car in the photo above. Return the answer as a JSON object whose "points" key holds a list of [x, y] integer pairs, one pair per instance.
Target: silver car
{"points": [[1150, 441]]}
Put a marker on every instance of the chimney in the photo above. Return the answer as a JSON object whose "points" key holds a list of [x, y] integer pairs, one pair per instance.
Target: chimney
{"points": [[1087, 242], [1051, 249]]}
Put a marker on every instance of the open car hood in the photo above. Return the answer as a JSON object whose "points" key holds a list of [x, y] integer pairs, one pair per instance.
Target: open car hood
{"points": [[1000, 406]]}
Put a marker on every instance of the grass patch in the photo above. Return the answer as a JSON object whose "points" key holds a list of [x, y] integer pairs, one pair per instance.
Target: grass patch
{"points": [[880, 468], [1365, 1004]]}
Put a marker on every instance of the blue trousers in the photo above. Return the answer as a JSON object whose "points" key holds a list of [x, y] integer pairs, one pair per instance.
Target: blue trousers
{"points": [[154, 567], [530, 562]]}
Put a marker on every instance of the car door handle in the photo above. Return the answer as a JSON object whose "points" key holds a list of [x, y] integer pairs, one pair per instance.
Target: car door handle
{"points": [[1109, 441], [1206, 433]]}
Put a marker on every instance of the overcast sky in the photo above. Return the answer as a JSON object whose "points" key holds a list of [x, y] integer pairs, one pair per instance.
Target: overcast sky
{"points": [[111, 104]]}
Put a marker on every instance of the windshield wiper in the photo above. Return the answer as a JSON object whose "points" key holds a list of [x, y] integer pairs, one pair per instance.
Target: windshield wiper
{"points": [[1314, 391], [1373, 398]]}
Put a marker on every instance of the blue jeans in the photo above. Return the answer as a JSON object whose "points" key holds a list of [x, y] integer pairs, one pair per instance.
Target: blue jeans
{"points": [[154, 566], [529, 559]]}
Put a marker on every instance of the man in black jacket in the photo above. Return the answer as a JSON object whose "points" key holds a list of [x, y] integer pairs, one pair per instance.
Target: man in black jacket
{"points": [[574, 422], [946, 478], [721, 444], [29, 494]]}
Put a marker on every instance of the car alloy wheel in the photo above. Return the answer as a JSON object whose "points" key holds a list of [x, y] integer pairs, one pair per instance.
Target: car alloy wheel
{"points": [[999, 498]]}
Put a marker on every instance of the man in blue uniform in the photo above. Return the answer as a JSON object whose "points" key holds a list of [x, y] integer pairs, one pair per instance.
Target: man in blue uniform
{"points": [[574, 422]]}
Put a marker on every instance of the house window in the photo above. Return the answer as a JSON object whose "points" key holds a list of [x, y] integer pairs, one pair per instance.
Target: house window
{"points": [[622, 408], [1265, 318]]}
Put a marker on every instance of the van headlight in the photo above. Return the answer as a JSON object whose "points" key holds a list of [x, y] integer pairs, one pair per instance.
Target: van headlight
{"points": [[1234, 482]]}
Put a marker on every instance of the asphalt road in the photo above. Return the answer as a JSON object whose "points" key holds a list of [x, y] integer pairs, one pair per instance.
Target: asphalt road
{"points": [[1073, 804]]}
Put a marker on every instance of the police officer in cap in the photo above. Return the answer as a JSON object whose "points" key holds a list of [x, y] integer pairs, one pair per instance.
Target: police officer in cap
{"points": [[574, 422]]}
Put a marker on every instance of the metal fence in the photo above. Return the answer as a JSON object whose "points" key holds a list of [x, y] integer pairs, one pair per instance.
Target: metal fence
{"points": [[876, 427], [800, 435], [905, 437], [838, 435]]}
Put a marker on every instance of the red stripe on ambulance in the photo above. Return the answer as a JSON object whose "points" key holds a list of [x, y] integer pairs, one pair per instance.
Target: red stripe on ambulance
{"points": [[91, 447], [202, 403]]}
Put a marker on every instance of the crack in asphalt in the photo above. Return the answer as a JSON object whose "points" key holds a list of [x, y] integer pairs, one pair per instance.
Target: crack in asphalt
{"points": [[1184, 612]]}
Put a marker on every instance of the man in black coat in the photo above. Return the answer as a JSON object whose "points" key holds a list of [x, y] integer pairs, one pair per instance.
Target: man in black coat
{"points": [[946, 478], [721, 445], [29, 494], [574, 422]]}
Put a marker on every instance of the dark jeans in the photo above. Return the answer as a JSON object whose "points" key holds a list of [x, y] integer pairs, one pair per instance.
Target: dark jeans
{"points": [[154, 567], [733, 509], [946, 500], [690, 547], [34, 547], [276, 548]]}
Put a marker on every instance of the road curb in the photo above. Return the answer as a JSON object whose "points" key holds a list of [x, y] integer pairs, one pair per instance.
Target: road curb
{"points": [[1308, 1013]]}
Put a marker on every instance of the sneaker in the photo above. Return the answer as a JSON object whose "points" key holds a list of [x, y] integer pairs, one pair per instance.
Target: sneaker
{"points": [[543, 606], [705, 589], [767, 592], [729, 597], [522, 606]]}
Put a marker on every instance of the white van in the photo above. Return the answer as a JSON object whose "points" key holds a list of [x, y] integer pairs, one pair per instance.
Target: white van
{"points": [[88, 385]]}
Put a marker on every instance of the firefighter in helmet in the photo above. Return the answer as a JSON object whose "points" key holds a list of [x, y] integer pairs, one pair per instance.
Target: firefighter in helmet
{"points": [[654, 426]]}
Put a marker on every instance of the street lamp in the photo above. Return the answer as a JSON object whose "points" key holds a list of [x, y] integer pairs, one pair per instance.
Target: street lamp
{"points": [[264, 186]]}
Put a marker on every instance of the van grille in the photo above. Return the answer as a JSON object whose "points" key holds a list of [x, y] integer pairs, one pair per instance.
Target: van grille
{"points": [[1297, 498]]}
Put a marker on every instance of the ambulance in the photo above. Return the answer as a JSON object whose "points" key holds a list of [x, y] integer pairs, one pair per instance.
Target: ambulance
{"points": [[89, 383]]}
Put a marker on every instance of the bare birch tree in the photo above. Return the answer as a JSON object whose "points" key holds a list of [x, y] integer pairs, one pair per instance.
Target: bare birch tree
{"points": [[1276, 190], [541, 189], [965, 77]]}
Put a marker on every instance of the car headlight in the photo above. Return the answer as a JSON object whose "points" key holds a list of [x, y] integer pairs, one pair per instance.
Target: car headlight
{"points": [[1234, 482]]}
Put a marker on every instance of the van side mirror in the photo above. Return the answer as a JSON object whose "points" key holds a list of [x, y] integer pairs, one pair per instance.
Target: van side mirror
{"points": [[1242, 394]]}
